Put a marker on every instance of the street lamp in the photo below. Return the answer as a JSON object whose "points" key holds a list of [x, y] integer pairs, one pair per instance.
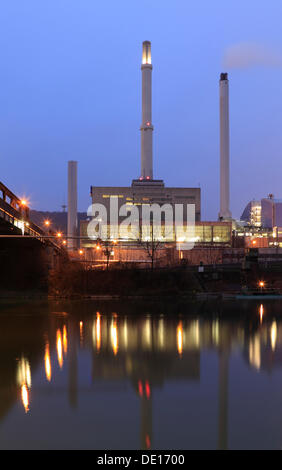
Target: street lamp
{"points": [[261, 285]]}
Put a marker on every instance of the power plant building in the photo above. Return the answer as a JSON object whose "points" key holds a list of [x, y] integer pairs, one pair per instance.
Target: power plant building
{"points": [[147, 190]]}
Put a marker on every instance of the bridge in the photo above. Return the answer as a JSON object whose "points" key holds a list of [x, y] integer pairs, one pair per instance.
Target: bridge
{"points": [[27, 252], [14, 216]]}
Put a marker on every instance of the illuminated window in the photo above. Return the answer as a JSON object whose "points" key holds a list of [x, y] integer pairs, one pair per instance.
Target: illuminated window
{"points": [[221, 234]]}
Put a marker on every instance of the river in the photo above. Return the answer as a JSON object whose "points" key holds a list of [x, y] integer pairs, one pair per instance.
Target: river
{"points": [[163, 375]]}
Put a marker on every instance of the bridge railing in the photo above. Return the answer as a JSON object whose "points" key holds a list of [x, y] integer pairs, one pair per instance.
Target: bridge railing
{"points": [[15, 213], [13, 201], [14, 217]]}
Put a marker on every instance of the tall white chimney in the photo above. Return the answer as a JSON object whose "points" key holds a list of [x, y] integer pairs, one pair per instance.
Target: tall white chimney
{"points": [[72, 205], [224, 148], [146, 126]]}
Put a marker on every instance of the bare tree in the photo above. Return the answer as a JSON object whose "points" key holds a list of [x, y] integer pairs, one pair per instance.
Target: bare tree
{"points": [[150, 246]]}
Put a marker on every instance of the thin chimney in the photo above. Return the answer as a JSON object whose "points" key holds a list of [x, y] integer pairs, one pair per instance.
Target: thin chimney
{"points": [[224, 148], [146, 126], [72, 205]]}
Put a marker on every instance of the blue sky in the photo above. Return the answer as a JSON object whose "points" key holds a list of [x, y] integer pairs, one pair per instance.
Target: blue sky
{"points": [[71, 90]]}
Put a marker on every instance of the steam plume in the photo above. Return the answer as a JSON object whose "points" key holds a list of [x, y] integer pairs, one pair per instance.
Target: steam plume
{"points": [[246, 55]]}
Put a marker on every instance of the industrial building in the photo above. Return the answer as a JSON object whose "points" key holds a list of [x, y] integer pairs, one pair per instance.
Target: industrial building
{"points": [[208, 237], [146, 189], [266, 213]]}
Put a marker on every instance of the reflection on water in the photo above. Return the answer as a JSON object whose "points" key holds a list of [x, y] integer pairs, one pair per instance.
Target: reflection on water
{"points": [[65, 339], [114, 336], [60, 349], [24, 381], [120, 380], [98, 332], [180, 338], [261, 310], [48, 369]]}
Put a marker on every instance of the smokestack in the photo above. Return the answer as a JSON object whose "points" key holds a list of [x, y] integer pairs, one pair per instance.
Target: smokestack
{"points": [[224, 147], [72, 204], [146, 126]]}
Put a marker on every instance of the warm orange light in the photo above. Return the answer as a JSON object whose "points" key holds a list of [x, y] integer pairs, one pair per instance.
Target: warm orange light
{"points": [[261, 312], [115, 242], [23, 202], [47, 360], [81, 331], [81, 252], [65, 340], [261, 283], [254, 242], [273, 335], [98, 247], [59, 349], [114, 337], [98, 331], [47, 223], [25, 398], [59, 234], [180, 338], [64, 242]]}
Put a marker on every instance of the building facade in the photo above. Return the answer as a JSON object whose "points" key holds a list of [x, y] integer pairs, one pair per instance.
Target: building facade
{"points": [[265, 213]]}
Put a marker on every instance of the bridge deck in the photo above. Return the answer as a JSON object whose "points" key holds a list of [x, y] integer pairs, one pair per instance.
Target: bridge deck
{"points": [[14, 218]]}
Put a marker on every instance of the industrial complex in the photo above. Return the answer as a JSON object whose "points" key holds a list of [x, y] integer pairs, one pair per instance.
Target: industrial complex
{"points": [[213, 242], [147, 190]]}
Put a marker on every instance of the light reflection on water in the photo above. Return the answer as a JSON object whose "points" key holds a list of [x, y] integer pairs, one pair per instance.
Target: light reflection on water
{"points": [[118, 380]]}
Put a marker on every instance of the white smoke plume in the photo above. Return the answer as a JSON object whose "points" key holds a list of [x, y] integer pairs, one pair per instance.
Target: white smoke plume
{"points": [[247, 55]]}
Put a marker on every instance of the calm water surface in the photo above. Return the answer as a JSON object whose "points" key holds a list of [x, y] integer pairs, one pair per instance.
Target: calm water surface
{"points": [[111, 376]]}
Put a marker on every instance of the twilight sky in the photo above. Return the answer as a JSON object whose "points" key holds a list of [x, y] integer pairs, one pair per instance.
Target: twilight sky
{"points": [[71, 90]]}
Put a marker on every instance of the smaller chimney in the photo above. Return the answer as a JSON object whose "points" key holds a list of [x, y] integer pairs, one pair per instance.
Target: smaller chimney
{"points": [[72, 205]]}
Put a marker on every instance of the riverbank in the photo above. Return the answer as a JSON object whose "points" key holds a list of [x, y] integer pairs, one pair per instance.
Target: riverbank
{"points": [[149, 297], [72, 281]]}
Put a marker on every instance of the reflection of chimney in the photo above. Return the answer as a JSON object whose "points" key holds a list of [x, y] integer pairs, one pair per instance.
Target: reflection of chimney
{"points": [[223, 400], [146, 424], [146, 126], [72, 365], [224, 147], [146, 415], [72, 204]]}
